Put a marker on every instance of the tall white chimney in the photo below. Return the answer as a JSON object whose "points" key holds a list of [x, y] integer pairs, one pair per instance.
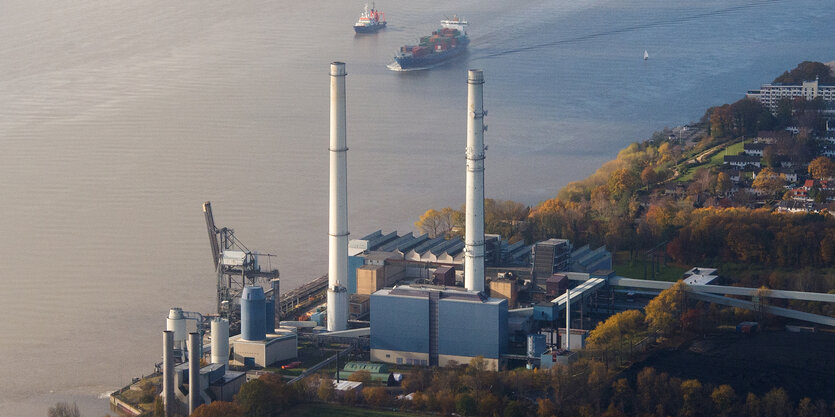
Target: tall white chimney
{"points": [[338, 215], [474, 239]]}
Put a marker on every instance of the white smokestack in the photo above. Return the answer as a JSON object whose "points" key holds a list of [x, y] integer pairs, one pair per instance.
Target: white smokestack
{"points": [[338, 215], [474, 239]]}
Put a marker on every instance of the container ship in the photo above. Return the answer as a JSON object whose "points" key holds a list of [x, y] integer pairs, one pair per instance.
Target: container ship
{"points": [[443, 44], [370, 21]]}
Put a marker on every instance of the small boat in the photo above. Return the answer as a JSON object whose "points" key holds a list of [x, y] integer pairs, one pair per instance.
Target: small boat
{"points": [[370, 21], [646, 55]]}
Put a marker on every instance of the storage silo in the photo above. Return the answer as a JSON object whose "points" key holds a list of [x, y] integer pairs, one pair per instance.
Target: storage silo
{"points": [[536, 345], [176, 322], [220, 341], [253, 314], [269, 315]]}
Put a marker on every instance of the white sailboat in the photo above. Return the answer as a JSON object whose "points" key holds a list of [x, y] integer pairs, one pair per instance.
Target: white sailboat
{"points": [[646, 55]]}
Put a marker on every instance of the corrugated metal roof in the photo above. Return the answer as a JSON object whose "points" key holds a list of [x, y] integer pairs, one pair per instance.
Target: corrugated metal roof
{"points": [[425, 246], [392, 245]]}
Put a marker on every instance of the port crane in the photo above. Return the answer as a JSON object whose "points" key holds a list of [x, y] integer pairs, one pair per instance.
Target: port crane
{"points": [[235, 264]]}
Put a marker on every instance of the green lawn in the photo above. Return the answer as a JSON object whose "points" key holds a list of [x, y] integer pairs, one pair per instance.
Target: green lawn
{"points": [[670, 272], [321, 410], [715, 160]]}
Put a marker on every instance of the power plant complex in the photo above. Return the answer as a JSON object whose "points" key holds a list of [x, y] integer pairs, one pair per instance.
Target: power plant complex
{"points": [[412, 319], [403, 299]]}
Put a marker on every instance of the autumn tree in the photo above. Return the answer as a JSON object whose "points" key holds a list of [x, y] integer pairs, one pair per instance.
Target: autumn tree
{"points": [[435, 223], [723, 183], [724, 400], [776, 403], [821, 168], [326, 389], [545, 408], [360, 376], [376, 396], [218, 409], [622, 183], [663, 312], [616, 333], [769, 182], [807, 71]]}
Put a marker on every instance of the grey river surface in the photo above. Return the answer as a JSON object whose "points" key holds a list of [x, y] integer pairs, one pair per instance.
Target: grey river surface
{"points": [[119, 118]]}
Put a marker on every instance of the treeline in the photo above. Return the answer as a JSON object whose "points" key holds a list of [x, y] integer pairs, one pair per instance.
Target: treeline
{"points": [[755, 237], [807, 71]]}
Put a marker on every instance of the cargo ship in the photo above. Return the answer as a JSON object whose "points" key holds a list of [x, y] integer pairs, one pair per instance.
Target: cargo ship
{"points": [[370, 21], [443, 44]]}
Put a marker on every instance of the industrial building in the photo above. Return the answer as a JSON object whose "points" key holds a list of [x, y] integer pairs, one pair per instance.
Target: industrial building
{"points": [[275, 347], [433, 325], [549, 256], [412, 257], [259, 344]]}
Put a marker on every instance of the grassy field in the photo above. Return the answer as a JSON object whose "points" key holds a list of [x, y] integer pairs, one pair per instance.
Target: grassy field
{"points": [[321, 410], [715, 160], [635, 270]]}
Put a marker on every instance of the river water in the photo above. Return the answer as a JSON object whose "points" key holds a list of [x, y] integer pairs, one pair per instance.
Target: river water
{"points": [[119, 118]]}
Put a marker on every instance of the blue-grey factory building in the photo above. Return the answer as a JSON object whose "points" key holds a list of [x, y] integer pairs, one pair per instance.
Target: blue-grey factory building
{"points": [[434, 325]]}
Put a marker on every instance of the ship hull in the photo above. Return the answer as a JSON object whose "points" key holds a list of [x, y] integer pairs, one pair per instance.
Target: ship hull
{"points": [[369, 28], [430, 60]]}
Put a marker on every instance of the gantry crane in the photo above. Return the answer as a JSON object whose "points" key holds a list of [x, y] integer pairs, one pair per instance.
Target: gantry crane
{"points": [[235, 264]]}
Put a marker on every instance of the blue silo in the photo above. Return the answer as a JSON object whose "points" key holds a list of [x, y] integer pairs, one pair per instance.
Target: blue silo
{"points": [[269, 314], [253, 314]]}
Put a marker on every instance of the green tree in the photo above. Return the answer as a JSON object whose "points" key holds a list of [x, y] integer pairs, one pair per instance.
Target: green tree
{"points": [[256, 399], [465, 404], [514, 409]]}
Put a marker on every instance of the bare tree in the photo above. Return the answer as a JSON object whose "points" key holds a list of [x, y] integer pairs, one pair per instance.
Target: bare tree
{"points": [[64, 409]]}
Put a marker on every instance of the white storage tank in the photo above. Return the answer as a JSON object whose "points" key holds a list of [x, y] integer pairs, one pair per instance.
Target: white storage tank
{"points": [[176, 322], [220, 341]]}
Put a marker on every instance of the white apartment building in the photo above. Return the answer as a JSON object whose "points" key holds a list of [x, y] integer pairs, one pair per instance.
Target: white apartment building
{"points": [[771, 94]]}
